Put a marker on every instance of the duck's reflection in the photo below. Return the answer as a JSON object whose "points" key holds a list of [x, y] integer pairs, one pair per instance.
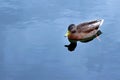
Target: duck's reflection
{"points": [[73, 45]]}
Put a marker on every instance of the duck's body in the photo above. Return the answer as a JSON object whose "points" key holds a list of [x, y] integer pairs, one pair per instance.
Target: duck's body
{"points": [[83, 31]]}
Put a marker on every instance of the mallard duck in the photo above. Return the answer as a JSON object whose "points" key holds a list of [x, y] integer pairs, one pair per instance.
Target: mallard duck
{"points": [[84, 31]]}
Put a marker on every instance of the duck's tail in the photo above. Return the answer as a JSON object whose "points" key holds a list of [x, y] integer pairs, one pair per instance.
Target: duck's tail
{"points": [[100, 21]]}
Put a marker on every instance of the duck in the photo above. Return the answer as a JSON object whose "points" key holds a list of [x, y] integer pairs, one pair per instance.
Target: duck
{"points": [[84, 31]]}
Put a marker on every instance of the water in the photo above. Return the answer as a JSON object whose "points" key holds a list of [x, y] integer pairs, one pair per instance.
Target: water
{"points": [[32, 40]]}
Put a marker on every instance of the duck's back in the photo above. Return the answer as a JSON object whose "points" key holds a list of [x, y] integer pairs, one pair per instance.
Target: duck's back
{"points": [[88, 26]]}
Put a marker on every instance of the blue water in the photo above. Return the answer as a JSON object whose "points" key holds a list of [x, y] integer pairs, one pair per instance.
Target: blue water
{"points": [[32, 40]]}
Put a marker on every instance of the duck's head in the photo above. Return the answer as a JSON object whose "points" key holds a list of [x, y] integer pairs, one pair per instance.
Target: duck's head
{"points": [[71, 29]]}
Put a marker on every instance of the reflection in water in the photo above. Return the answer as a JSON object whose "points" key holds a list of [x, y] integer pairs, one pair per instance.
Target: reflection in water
{"points": [[73, 44]]}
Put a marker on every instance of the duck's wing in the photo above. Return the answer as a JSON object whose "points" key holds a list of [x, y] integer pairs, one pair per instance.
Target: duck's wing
{"points": [[89, 26]]}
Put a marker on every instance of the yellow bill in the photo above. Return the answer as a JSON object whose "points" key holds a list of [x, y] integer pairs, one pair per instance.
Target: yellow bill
{"points": [[67, 33]]}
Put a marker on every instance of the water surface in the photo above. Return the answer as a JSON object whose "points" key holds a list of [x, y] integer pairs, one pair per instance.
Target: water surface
{"points": [[32, 40]]}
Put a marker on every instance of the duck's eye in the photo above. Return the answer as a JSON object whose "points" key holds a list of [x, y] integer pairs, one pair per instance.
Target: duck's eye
{"points": [[73, 31]]}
